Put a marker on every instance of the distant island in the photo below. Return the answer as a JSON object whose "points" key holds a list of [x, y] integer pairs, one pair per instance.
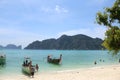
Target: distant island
{"points": [[65, 42], [10, 46]]}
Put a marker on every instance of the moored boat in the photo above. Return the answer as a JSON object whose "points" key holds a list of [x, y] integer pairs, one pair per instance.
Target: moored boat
{"points": [[2, 59], [54, 60], [27, 67]]}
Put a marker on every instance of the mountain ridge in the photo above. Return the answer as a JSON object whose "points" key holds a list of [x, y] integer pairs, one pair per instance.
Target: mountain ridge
{"points": [[65, 42], [10, 46]]}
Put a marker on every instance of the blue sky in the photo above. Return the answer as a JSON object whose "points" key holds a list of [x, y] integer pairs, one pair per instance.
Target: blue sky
{"points": [[24, 21]]}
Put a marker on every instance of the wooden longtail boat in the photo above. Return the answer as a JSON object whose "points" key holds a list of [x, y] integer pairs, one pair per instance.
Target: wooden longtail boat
{"points": [[53, 60], [2, 59], [27, 66]]}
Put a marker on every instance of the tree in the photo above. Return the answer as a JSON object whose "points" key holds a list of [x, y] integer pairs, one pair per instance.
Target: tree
{"points": [[110, 18]]}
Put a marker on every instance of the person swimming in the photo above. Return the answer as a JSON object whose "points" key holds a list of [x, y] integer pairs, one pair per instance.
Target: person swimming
{"points": [[95, 62]]}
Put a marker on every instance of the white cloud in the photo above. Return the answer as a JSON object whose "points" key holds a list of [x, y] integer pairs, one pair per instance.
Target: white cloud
{"points": [[98, 32], [22, 12], [59, 9], [56, 9], [53, 14]]}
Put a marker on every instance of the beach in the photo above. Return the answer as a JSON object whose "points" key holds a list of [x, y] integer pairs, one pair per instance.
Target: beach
{"points": [[111, 72]]}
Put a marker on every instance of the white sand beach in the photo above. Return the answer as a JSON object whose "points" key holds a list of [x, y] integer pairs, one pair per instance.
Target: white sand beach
{"points": [[96, 73]]}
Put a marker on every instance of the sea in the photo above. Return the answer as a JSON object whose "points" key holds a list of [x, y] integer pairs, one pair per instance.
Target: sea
{"points": [[71, 59]]}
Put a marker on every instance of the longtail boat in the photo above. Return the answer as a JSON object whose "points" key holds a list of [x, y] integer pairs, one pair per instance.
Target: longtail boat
{"points": [[2, 59], [54, 60], [27, 66]]}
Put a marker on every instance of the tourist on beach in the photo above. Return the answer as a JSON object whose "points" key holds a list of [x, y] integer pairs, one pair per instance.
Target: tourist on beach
{"points": [[119, 60], [37, 67]]}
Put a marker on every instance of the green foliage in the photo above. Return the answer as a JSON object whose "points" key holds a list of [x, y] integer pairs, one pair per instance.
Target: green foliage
{"points": [[112, 40], [111, 18], [102, 18]]}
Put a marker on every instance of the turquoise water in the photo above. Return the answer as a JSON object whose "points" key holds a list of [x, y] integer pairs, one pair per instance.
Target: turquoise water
{"points": [[72, 59]]}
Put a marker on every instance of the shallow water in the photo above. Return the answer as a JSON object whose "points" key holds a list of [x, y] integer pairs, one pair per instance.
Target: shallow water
{"points": [[72, 59]]}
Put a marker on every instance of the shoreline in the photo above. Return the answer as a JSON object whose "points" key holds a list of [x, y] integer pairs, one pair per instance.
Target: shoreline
{"points": [[108, 72]]}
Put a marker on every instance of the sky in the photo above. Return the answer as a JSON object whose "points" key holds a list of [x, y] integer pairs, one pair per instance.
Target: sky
{"points": [[25, 21]]}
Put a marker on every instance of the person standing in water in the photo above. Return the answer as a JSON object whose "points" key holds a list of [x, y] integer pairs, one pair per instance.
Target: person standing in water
{"points": [[119, 60], [95, 62], [37, 67], [32, 72]]}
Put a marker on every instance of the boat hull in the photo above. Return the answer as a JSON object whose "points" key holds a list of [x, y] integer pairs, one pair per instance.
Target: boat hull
{"points": [[54, 61], [2, 61], [26, 70]]}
